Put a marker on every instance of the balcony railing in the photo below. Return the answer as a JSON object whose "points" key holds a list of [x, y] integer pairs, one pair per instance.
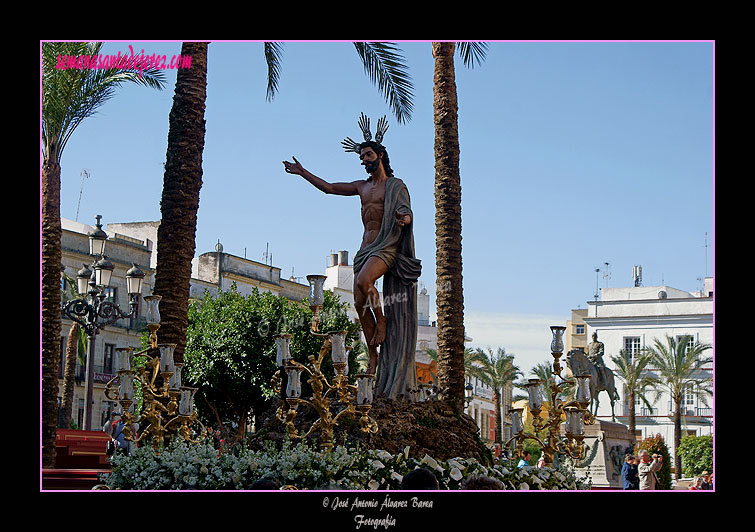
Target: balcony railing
{"points": [[102, 375], [135, 324], [696, 411], [691, 411]]}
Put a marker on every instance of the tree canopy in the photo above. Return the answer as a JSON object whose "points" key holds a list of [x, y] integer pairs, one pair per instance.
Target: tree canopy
{"points": [[230, 349]]}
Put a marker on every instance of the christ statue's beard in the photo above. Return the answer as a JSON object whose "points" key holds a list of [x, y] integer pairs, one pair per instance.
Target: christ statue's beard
{"points": [[370, 167]]}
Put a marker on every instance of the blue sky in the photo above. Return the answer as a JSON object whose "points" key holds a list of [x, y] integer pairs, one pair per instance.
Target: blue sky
{"points": [[573, 155]]}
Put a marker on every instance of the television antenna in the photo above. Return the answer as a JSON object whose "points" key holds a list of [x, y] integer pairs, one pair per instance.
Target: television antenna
{"points": [[606, 273], [606, 276], [84, 174], [267, 256]]}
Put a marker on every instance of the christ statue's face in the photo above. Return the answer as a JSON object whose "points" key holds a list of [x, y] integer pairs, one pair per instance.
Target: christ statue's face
{"points": [[370, 159]]}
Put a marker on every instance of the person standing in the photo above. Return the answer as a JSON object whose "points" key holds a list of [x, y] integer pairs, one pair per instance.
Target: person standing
{"points": [[707, 483], [647, 469], [629, 476], [114, 428]]}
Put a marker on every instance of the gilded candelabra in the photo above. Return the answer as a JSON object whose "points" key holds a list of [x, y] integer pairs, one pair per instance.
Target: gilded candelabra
{"points": [[576, 411], [353, 399], [167, 406]]}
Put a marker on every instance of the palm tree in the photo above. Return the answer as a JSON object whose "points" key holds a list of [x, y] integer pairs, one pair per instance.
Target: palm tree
{"points": [[497, 370], [182, 182], [632, 370], [75, 345], [69, 95], [449, 297], [679, 364], [183, 168]]}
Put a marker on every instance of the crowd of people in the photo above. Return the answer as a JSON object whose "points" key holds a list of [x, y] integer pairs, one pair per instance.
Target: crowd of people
{"points": [[639, 473], [703, 482]]}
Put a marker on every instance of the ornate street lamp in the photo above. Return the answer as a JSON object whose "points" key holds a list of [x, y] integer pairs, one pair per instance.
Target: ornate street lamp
{"points": [[91, 311]]}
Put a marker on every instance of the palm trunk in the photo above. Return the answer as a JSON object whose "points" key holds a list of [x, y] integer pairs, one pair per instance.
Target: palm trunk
{"points": [[632, 418], [69, 373], [498, 419], [51, 310], [180, 198], [449, 299]]}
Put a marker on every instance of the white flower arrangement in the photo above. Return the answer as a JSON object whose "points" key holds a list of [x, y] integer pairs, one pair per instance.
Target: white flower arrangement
{"points": [[184, 466]]}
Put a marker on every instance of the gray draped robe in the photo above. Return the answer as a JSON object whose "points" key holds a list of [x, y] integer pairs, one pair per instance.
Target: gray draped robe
{"points": [[396, 372]]}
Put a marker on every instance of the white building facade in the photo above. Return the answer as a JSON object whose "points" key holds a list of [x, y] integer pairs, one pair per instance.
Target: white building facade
{"points": [[136, 242], [632, 319]]}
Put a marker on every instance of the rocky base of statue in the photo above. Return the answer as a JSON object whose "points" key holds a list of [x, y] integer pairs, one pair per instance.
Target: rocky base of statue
{"points": [[607, 444], [430, 427]]}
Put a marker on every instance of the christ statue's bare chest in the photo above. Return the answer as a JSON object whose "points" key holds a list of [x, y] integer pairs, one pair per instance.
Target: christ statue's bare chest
{"points": [[373, 201]]}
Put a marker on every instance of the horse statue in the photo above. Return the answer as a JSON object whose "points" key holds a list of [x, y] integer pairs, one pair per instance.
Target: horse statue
{"points": [[600, 381]]}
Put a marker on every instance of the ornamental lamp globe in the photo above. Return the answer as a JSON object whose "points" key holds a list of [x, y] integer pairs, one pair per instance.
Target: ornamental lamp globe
{"points": [[338, 352], [97, 239], [166, 357], [153, 309], [583, 388], [516, 420], [535, 394], [557, 345], [316, 295], [134, 279], [82, 280], [103, 271]]}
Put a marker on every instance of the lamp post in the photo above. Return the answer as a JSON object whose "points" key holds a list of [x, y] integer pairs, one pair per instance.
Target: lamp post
{"points": [[576, 411], [91, 311]]}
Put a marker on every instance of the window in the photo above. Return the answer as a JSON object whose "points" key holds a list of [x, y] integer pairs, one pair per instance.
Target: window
{"points": [[689, 396], [689, 338], [111, 294], [579, 330], [107, 363], [632, 346]]}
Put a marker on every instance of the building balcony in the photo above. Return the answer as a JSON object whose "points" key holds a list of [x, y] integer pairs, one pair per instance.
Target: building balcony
{"points": [[687, 412], [691, 411], [102, 375]]}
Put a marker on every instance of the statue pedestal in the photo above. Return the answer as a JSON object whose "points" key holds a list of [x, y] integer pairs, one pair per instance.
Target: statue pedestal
{"points": [[607, 445]]}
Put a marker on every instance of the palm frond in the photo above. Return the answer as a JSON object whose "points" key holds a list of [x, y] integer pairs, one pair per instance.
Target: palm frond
{"points": [[273, 58], [386, 68], [678, 364], [69, 95], [472, 52]]}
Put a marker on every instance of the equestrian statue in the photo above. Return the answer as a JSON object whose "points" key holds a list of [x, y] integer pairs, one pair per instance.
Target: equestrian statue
{"points": [[602, 378]]}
